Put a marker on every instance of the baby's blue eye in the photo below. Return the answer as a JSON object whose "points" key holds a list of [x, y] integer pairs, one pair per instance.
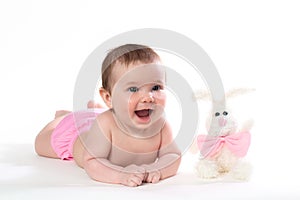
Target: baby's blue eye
{"points": [[133, 89], [156, 87]]}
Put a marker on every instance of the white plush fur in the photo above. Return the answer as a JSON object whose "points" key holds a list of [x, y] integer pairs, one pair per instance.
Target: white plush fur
{"points": [[224, 163]]}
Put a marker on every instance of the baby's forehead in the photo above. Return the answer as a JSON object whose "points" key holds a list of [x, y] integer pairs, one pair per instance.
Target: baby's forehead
{"points": [[140, 73]]}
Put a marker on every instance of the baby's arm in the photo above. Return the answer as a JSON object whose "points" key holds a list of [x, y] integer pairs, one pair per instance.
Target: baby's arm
{"points": [[169, 157], [97, 144], [100, 169]]}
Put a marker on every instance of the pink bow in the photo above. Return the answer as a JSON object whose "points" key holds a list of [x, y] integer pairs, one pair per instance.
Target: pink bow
{"points": [[237, 143]]}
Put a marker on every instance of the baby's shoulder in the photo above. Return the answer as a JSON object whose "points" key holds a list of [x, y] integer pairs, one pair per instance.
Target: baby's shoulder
{"points": [[106, 117], [167, 132], [167, 128], [105, 113]]}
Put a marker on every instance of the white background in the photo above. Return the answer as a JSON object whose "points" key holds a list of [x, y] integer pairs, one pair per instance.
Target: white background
{"points": [[252, 43]]}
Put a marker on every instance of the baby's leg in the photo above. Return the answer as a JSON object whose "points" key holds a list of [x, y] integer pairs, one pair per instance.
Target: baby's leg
{"points": [[60, 113], [43, 145]]}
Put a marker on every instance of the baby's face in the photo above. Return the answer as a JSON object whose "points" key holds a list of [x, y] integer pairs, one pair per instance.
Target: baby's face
{"points": [[138, 95]]}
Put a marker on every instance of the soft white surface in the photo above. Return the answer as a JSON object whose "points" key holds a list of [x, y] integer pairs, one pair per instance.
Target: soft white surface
{"points": [[252, 43], [24, 175]]}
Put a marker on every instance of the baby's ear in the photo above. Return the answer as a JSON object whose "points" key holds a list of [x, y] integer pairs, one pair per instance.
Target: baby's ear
{"points": [[106, 97]]}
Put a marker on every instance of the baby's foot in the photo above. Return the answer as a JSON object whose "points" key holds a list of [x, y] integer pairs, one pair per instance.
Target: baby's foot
{"points": [[60, 113], [93, 104]]}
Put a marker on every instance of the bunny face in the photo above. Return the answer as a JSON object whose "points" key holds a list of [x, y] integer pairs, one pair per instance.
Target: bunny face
{"points": [[221, 123]]}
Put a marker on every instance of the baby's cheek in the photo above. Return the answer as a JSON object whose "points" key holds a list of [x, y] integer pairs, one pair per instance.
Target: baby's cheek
{"points": [[131, 108], [133, 98], [161, 95], [132, 102], [161, 102]]}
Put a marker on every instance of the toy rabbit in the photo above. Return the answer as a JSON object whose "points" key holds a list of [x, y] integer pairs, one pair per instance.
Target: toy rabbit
{"points": [[223, 148]]}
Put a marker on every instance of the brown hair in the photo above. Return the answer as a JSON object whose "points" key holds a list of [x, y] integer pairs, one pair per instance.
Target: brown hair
{"points": [[126, 54]]}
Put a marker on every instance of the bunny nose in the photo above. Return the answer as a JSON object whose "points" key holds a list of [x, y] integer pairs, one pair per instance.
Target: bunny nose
{"points": [[222, 121]]}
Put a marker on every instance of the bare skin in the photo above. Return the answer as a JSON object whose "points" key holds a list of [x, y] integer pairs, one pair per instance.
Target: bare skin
{"points": [[131, 160], [110, 155]]}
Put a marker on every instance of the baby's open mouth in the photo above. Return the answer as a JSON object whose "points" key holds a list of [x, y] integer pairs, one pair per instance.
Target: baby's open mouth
{"points": [[143, 113]]}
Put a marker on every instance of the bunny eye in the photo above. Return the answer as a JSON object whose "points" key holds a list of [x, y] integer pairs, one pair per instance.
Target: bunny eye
{"points": [[225, 113], [217, 114]]}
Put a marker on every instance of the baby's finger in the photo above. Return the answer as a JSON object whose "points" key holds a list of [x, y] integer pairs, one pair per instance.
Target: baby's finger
{"points": [[136, 179], [131, 184], [153, 177], [150, 178]]}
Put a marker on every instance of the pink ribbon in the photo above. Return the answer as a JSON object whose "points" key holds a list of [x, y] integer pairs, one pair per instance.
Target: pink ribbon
{"points": [[237, 143]]}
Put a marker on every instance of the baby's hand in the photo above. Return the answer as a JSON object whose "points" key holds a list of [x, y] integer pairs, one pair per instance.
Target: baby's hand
{"points": [[132, 179], [133, 175], [153, 177], [134, 169]]}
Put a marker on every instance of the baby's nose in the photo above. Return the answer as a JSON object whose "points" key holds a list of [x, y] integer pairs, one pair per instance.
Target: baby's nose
{"points": [[147, 97]]}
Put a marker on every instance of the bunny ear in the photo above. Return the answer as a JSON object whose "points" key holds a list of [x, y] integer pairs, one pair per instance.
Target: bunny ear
{"points": [[238, 91], [205, 95], [202, 95]]}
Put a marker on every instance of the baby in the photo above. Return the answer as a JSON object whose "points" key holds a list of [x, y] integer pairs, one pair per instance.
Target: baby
{"points": [[128, 143]]}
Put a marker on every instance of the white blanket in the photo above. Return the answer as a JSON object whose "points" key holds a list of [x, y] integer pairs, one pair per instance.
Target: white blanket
{"points": [[24, 175]]}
